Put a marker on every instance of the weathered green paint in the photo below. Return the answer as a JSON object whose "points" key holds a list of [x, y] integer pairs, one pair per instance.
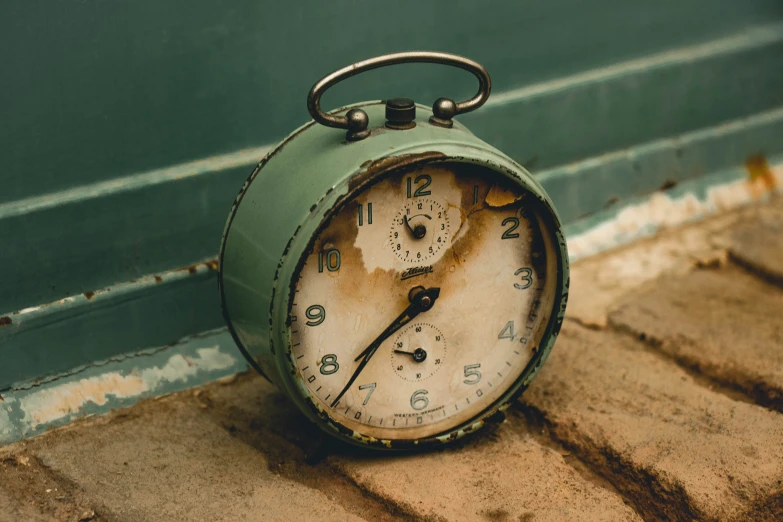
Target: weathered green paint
{"points": [[96, 90], [615, 107], [119, 382], [640, 217], [159, 219], [287, 198], [15, 424], [589, 187], [122, 147], [47, 340]]}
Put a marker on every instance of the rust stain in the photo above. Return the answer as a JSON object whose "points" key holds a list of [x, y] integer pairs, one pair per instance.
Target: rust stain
{"points": [[668, 184], [501, 196], [5, 321], [759, 171], [389, 163], [212, 264], [158, 279], [89, 295]]}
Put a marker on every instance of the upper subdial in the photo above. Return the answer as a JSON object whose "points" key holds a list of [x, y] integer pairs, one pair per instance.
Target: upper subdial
{"points": [[419, 231], [418, 352]]}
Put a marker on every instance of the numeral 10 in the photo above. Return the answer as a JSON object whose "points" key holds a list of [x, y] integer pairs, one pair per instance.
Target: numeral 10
{"points": [[332, 260]]}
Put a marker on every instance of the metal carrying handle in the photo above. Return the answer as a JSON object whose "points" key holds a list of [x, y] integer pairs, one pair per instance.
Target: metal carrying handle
{"points": [[444, 109]]}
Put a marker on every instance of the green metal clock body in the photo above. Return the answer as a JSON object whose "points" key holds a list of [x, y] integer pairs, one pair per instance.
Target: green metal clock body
{"points": [[400, 288]]}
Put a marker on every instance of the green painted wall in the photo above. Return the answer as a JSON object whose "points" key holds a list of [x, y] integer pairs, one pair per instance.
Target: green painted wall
{"points": [[105, 107], [99, 89]]}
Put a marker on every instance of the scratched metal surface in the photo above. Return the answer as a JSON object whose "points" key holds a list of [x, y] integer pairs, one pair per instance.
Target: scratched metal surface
{"points": [[122, 150]]}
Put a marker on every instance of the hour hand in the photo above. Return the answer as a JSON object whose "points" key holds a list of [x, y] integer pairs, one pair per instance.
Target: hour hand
{"points": [[419, 231]]}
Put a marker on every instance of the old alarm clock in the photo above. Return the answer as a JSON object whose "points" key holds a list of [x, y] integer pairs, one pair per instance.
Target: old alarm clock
{"points": [[397, 277]]}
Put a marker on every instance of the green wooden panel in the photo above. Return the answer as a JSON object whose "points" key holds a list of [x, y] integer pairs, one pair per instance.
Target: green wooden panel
{"points": [[106, 106], [125, 319], [105, 233], [636, 102], [95, 89]]}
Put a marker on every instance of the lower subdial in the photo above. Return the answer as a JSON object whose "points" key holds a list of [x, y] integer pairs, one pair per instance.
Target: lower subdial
{"points": [[418, 352], [420, 230]]}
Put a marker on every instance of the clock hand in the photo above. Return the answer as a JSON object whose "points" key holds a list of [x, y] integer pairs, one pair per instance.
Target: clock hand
{"points": [[419, 354], [418, 231], [420, 302]]}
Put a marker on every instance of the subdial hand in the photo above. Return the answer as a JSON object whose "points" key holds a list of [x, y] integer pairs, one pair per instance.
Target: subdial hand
{"points": [[420, 302], [419, 354], [419, 231]]}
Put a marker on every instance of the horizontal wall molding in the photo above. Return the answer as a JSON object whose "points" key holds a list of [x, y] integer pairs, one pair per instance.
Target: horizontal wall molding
{"points": [[29, 408], [115, 383], [92, 252], [43, 341], [100, 234], [748, 40], [96, 90], [244, 158], [588, 187], [620, 106], [675, 206], [600, 207]]}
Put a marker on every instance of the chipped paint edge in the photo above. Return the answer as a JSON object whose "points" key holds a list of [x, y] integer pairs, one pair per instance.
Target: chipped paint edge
{"points": [[688, 202], [27, 412]]}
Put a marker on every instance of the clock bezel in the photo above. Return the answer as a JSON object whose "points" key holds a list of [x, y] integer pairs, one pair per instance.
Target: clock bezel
{"points": [[356, 183]]}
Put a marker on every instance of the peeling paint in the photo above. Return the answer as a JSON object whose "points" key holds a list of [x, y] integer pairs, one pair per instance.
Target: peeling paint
{"points": [[53, 403], [759, 171], [6, 427], [684, 204]]}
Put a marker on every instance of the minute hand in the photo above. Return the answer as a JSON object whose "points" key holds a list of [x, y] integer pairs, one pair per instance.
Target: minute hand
{"points": [[421, 302]]}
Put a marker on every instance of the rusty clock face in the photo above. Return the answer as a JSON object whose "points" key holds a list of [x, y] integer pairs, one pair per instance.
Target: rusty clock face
{"points": [[422, 301]]}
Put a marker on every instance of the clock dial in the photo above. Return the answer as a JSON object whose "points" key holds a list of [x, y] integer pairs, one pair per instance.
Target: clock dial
{"points": [[419, 230], [423, 300]]}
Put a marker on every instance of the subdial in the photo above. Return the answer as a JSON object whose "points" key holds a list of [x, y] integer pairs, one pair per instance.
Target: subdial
{"points": [[420, 230], [418, 352]]}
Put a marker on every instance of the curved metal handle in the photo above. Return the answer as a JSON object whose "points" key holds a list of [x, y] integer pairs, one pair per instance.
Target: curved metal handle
{"points": [[356, 120]]}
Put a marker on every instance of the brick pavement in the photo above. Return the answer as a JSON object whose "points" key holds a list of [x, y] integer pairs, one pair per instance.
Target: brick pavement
{"points": [[660, 401]]}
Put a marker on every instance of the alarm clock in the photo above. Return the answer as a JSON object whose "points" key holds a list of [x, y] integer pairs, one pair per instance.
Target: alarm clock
{"points": [[398, 278]]}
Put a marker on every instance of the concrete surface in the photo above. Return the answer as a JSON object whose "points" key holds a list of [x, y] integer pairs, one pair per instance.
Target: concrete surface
{"points": [[661, 401]]}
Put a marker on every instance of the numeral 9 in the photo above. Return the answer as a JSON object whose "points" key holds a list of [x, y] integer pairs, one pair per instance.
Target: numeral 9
{"points": [[316, 314]]}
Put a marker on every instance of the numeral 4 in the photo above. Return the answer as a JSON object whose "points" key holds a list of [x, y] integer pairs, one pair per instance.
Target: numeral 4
{"points": [[507, 332]]}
